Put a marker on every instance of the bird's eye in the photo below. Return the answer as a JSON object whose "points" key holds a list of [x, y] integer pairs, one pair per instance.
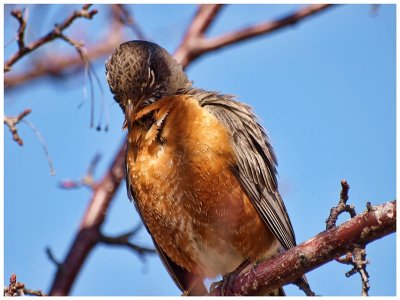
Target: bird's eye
{"points": [[157, 95]]}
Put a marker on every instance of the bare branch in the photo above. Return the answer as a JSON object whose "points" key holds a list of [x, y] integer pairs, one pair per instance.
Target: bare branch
{"points": [[341, 207], [195, 44], [18, 289], [55, 65], [52, 258], [12, 123], [18, 14], [54, 34], [324, 247], [43, 144], [123, 240], [89, 231], [359, 263], [263, 28], [357, 256], [205, 15]]}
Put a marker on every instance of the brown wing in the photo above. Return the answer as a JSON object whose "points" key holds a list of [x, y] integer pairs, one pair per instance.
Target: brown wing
{"points": [[256, 161], [186, 281]]}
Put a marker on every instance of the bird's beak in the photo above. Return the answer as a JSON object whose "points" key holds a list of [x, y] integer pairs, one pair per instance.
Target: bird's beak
{"points": [[129, 114], [129, 108]]}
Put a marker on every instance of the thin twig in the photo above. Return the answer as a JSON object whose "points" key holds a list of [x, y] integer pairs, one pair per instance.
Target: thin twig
{"points": [[341, 207], [18, 14], [54, 34], [43, 144], [56, 65], [357, 254], [88, 68], [18, 289], [123, 240], [12, 123], [52, 258]]}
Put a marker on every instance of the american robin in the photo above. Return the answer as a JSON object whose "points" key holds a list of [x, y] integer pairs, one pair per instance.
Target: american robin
{"points": [[200, 170]]}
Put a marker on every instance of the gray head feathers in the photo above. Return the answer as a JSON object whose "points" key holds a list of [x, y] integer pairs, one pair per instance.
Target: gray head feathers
{"points": [[143, 71]]}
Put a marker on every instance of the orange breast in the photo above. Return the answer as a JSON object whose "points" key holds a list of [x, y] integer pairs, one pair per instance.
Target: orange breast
{"points": [[180, 169]]}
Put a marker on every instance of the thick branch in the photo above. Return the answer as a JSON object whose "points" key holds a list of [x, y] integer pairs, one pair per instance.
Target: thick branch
{"points": [[326, 246], [89, 231]]}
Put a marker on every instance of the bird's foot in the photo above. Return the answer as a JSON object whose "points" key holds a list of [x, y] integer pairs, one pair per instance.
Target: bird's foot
{"points": [[226, 284]]}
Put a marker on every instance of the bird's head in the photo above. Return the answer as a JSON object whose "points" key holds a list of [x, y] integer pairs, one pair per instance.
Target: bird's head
{"points": [[139, 73]]}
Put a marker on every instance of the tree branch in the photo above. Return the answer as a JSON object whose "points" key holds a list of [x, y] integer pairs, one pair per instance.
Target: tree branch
{"points": [[55, 65], [12, 122], [89, 231], [326, 246], [54, 34], [341, 207], [195, 44], [188, 49], [123, 240], [357, 256], [18, 14], [18, 289]]}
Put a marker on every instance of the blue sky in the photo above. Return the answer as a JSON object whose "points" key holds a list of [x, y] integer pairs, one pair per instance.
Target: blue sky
{"points": [[324, 89]]}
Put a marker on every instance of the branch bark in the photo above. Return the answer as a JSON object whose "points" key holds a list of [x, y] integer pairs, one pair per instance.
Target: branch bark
{"points": [[89, 234], [271, 274]]}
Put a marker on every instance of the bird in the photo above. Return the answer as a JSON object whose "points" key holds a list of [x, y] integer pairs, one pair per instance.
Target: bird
{"points": [[200, 170]]}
